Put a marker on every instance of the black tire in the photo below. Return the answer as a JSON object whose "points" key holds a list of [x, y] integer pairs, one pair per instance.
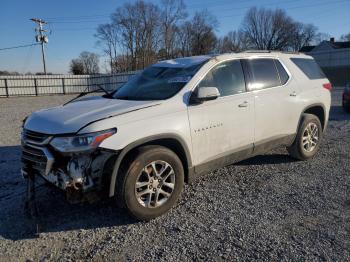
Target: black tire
{"points": [[297, 150], [130, 171]]}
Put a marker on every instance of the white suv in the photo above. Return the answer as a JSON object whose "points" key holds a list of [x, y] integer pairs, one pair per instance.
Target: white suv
{"points": [[174, 121]]}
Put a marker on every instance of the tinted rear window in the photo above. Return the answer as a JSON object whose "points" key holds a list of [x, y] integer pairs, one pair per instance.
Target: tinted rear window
{"points": [[309, 67], [263, 73]]}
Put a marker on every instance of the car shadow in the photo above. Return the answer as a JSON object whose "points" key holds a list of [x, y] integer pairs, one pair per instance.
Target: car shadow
{"points": [[271, 159], [55, 213], [337, 113]]}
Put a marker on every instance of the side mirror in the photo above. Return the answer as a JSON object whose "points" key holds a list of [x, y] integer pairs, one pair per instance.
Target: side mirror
{"points": [[205, 94]]}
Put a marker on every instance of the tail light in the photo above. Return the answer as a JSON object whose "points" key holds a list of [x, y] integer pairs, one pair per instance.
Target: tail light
{"points": [[328, 86]]}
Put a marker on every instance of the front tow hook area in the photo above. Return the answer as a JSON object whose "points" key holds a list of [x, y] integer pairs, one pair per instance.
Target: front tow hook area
{"points": [[30, 205]]}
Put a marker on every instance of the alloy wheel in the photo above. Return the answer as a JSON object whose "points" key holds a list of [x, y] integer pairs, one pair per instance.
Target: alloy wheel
{"points": [[155, 184], [310, 137]]}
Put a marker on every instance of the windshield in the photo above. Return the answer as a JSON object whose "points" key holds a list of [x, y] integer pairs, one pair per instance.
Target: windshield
{"points": [[157, 83]]}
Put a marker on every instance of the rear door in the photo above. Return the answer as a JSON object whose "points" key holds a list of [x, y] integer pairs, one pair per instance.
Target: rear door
{"points": [[224, 126], [275, 97]]}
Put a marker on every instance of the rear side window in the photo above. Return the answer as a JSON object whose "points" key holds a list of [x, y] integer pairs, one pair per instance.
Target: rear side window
{"points": [[228, 77], [282, 72], [263, 73], [309, 67]]}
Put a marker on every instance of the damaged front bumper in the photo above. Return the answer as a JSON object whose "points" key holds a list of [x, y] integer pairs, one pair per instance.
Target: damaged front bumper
{"points": [[75, 173]]}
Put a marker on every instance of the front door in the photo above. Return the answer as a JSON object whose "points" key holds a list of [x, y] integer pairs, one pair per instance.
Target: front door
{"points": [[224, 127]]}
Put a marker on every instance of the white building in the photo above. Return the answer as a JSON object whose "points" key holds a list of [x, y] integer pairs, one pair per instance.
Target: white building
{"points": [[334, 59]]}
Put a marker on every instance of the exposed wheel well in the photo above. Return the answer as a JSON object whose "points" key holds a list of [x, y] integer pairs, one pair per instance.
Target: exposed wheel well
{"points": [[317, 111], [169, 143]]}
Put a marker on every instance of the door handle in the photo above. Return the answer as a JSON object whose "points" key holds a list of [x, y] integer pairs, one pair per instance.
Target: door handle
{"points": [[244, 104], [293, 93]]}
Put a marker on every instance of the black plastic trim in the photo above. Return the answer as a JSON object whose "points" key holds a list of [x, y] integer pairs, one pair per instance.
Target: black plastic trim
{"points": [[324, 112], [242, 154], [142, 142], [222, 161]]}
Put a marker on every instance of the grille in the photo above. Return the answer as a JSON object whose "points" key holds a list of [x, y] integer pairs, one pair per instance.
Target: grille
{"points": [[36, 158], [34, 137]]}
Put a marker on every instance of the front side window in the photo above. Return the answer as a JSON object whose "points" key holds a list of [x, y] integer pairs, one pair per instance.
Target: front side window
{"points": [[228, 77], [157, 83], [263, 73]]}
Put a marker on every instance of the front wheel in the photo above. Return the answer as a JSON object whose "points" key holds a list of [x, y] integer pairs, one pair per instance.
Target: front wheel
{"points": [[152, 182], [308, 138]]}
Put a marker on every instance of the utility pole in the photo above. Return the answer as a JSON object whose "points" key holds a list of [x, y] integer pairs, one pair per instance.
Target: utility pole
{"points": [[43, 39]]}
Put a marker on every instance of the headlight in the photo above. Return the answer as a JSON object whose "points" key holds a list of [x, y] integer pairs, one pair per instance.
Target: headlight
{"points": [[78, 143]]}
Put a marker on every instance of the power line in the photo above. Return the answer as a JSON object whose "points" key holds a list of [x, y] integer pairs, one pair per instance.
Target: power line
{"points": [[98, 17], [86, 19], [293, 7], [14, 47], [75, 29], [71, 19], [27, 59], [77, 17], [79, 21]]}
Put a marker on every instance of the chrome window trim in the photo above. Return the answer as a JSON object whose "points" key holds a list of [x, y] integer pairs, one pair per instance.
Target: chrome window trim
{"points": [[283, 65], [195, 85]]}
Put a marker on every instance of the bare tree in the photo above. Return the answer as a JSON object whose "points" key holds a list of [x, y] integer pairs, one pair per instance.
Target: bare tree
{"points": [[142, 32], [304, 35], [234, 41], [7, 73], [108, 37], [320, 37], [203, 39], [173, 11], [268, 29], [183, 39], [150, 34], [345, 37], [138, 25], [76, 67], [123, 18], [87, 63], [90, 62]]}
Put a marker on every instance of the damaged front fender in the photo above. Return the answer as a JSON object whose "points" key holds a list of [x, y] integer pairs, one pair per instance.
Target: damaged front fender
{"points": [[80, 173]]}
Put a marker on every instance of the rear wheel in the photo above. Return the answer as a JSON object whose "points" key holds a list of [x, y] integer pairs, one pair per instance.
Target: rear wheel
{"points": [[152, 182], [307, 141]]}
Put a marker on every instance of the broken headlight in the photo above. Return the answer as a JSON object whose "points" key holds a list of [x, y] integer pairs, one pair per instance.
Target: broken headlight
{"points": [[78, 143]]}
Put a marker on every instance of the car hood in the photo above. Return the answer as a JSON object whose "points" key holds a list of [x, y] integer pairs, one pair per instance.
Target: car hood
{"points": [[75, 115]]}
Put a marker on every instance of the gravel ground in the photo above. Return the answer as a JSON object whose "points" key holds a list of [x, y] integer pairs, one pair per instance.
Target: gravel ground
{"points": [[267, 208]]}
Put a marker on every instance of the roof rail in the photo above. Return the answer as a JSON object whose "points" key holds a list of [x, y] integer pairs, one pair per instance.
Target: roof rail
{"points": [[257, 51], [271, 51], [291, 52]]}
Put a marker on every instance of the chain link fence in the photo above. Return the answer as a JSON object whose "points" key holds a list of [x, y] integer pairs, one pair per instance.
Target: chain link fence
{"points": [[58, 84]]}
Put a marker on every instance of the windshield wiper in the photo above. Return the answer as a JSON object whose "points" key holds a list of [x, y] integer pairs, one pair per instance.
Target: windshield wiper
{"points": [[123, 97], [108, 94], [84, 93]]}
